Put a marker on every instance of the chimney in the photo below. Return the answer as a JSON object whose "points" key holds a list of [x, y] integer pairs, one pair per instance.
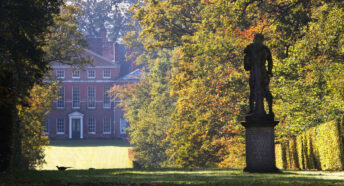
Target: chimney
{"points": [[103, 34], [114, 52]]}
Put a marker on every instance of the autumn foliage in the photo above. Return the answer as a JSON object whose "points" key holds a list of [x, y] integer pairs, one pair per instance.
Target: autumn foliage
{"points": [[205, 86]]}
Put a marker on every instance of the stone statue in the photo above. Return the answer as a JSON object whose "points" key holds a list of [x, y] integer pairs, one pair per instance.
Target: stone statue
{"points": [[259, 126], [256, 55]]}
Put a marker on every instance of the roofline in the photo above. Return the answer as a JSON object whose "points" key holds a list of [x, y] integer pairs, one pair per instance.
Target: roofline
{"points": [[131, 80], [101, 57]]}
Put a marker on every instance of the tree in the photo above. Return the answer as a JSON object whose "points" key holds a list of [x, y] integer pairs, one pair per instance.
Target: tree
{"points": [[113, 15], [208, 81], [312, 70], [64, 43], [30, 42], [23, 24], [204, 115], [31, 119], [148, 109], [305, 41], [164, 23]]}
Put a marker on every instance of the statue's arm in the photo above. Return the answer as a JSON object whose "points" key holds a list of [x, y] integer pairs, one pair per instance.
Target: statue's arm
{"points": [[247, 64]]}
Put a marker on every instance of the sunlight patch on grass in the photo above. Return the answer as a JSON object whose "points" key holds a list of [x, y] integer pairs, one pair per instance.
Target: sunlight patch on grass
{"points": [[321, 174], [85, 157]]}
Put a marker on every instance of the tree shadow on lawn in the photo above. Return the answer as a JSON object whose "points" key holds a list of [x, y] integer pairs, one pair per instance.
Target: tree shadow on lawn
{"points": [[179, 176], [90, 143]]}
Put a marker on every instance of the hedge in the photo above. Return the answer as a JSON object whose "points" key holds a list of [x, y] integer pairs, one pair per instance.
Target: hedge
{"points": [[320, 147]]}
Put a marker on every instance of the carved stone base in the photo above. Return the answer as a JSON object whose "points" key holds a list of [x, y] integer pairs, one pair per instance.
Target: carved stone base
{"points": [[260, 146]]}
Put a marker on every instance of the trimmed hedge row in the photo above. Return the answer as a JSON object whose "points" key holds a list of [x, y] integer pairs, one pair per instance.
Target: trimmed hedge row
{"points": [[320, 147]]}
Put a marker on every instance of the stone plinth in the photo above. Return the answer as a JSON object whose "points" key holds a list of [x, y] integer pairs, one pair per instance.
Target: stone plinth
{"points": [[260, 146]]}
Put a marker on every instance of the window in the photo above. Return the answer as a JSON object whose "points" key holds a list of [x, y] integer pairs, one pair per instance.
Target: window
{"points": [[122, 126], [107, 103], [106, 125], [107, 73], [60, 101], [91, 74], [91, 93], [76, 74], [46, 126], [60, 74], [60, 126], [91, 125], [76, 97]]}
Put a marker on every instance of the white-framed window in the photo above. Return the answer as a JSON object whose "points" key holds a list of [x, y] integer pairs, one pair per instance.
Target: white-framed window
{"points": [[60, 126], [107, 125], [91, 125], [107, 103], [91, 95], [122, 125], [91, 74], [46, 126], [107, 73], [76, 97], [60, 74], [61, 98], [76, 74]]}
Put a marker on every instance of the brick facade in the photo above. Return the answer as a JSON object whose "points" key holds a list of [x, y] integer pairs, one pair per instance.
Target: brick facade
{"points": [[84, 110]]}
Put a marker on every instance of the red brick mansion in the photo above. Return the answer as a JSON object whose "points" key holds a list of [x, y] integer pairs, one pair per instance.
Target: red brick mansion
{"points": [[85, 110]]}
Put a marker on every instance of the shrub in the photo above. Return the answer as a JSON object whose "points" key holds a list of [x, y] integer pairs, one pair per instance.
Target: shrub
{"points": [[320, 147], [279, 156]]}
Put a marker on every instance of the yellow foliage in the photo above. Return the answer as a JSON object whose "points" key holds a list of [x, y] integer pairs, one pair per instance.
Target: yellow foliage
{"points": [[320, 147], [234, 158], [31, 118], [328, 144], [279, 156]]}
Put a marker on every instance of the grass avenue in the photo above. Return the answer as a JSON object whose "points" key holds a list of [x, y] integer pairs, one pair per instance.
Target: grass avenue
{"points": [[101, 155]]}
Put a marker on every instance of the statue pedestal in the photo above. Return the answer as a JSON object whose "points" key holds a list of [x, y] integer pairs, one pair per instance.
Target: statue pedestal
{"points": [[260, 145]]}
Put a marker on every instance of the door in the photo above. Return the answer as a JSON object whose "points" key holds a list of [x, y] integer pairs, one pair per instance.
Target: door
{"points": [[75, 128]]}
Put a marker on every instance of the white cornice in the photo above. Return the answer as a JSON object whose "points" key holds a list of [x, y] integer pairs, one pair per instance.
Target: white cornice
{"points": [[83, 81], [88, 66], [76, 113]]}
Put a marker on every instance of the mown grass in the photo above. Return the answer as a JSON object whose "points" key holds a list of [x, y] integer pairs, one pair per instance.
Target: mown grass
{"points": [[100, 154], [85, 154], [90, 143], [172, 177]]}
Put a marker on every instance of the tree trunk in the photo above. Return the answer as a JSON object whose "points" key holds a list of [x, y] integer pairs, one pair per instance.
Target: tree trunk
{"points": [[7, 120]]}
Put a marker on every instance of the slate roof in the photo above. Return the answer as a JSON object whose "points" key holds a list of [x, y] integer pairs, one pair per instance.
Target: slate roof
{"points": [[98, 61], [133, 76]]}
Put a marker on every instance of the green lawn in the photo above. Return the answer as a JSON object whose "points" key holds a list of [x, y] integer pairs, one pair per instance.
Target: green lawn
{"points": [[172, 177], [85, 154], [105, 155]]}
